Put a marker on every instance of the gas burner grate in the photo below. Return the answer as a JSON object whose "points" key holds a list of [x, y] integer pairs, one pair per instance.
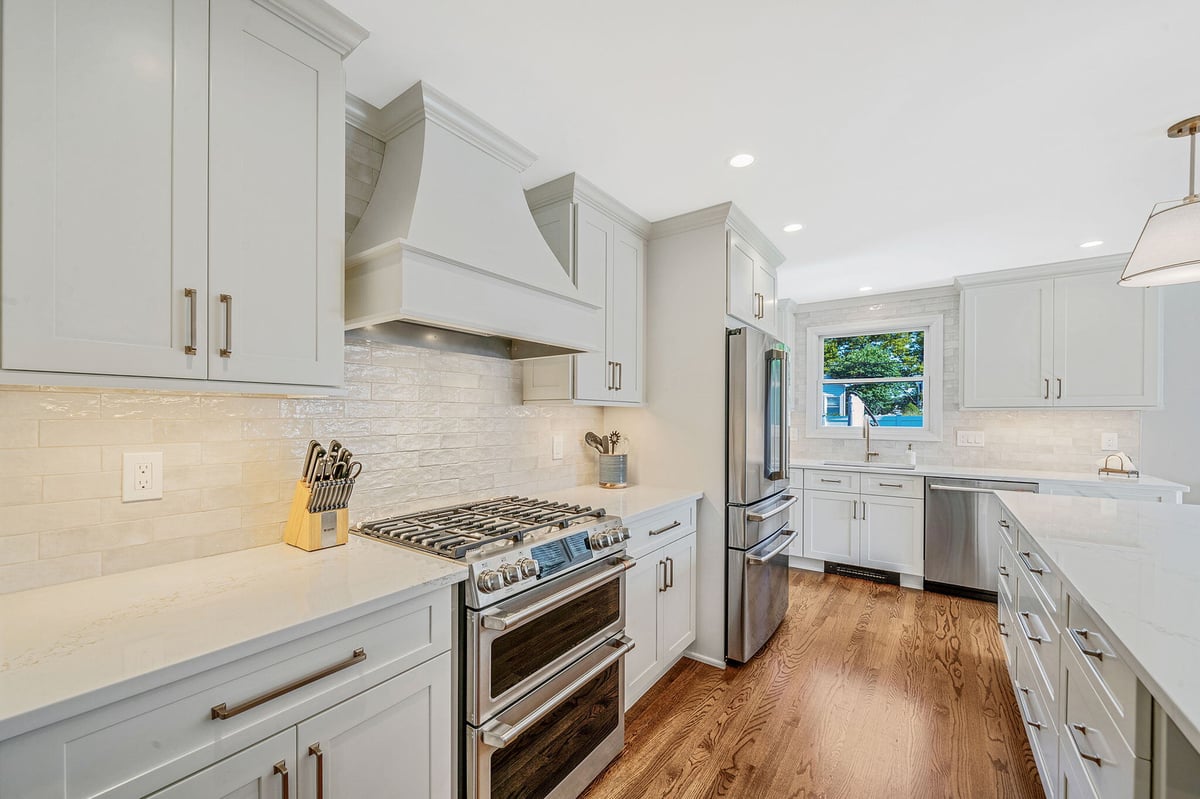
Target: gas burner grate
{"points": [[454, 531]]}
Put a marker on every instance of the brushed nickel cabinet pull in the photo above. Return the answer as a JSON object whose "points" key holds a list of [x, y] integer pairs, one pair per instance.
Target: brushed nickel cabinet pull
{"points": [[855, 516], [281, 770], [1002, 626], [1003, 524], [1003, 571], [1028, 558], [891, 485], [315, 751], [1081, 636], [1059, 388], [1089, 755], [620, 375], [227, 301], [670, 572], [662, 584], [1047, 394], [190, 297], [1028, 617], [662, 530], [827, 480], [864, 510], [1022, 697], [222, 712]]}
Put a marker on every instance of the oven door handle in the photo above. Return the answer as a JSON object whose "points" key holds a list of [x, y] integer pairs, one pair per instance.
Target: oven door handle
{"points": [[503, 621], [758, 560], [499, 735]]}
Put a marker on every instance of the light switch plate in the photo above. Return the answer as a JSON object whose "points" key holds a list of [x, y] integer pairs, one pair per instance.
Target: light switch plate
{"points": [[970, 438], [141, 476], [557, 447], [1109, 442]]}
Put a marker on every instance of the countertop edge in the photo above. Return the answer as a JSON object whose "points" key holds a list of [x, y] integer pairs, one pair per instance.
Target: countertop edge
{"points": [[1188, 726], [1019, 475]]}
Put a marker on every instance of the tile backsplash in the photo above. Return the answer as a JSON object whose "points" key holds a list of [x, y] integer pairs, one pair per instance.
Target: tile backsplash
{"points": [[1059, 440], [429, 427]]}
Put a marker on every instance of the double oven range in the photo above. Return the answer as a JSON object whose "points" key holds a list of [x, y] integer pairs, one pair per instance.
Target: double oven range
{"points": [[541, 631]]}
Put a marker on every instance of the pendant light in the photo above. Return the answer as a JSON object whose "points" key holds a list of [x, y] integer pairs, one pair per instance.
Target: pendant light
{"points": [[1168, 251]]}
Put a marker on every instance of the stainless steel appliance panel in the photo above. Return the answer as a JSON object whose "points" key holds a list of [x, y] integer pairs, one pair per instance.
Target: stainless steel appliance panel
{"points": [[757, 595], [962, 538], [750, 526], [757, 416]]}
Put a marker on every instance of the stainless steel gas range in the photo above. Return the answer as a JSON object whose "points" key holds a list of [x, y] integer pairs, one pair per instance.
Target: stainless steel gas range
{"points": [[542, 618]]}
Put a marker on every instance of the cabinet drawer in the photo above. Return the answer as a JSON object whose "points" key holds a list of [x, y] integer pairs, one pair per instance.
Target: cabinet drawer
{"points": [[1091, 737], [138, 745], [831, 481], [1113, 680], [1036, 627], [1009, 632], [661, 527], [1006, 572], [1038, 715], [1037, 571], [1072, 782], [890, 485], [1008, 531]]}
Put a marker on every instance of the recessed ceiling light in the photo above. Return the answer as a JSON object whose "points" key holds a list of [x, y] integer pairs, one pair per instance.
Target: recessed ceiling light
{"points": [[866, 288], [1091, 243], [793, 228], [741, 160]]}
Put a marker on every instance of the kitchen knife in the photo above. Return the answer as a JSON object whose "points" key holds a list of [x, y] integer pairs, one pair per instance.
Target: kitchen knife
{"points": [[310, 476], [309, 457]]}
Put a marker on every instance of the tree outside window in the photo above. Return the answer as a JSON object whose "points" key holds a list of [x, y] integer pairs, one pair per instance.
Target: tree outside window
{"points": [[883, 371]]}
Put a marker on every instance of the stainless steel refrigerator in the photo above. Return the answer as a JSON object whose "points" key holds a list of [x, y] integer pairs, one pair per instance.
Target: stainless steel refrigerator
{"points": [[758, 533]]}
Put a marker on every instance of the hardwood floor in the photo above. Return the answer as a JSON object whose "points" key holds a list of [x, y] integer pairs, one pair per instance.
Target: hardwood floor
{"points": [[865, 691]]}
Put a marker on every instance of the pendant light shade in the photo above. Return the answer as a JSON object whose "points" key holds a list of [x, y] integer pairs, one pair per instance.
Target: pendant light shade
{"points": [[1168, 251]]}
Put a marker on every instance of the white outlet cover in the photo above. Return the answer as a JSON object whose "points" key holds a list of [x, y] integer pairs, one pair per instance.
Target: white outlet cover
{"points": [[970, 438], [1109, 442], [138, 467], [557, 447]]}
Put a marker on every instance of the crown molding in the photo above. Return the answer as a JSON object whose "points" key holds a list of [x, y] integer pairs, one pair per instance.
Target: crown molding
{"points": [[321, 21], [574, 187], [363, 116], [1100, 263], [726, 214]]}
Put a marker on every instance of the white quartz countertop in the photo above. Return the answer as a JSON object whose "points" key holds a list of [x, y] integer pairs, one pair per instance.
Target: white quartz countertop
{"points": [[1145, 482], [69, 648], [1137, 566], [628, 503]]}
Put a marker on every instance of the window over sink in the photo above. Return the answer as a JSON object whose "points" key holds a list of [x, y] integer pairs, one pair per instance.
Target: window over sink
{"points": [[887, 374]]}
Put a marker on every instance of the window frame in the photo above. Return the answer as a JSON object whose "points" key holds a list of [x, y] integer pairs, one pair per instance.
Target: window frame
{"points": [[932, 412]]}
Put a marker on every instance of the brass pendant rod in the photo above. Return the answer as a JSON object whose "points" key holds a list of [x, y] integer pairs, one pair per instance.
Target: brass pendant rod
{"points": [[1192, 174]]}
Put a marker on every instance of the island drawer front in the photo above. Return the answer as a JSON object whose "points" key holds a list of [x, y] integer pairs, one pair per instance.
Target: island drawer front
{"points": [[1008, 526], [1009, 631], [1006, 571], [1125, 699], [1041, 726], [138, 745], [1089, 735], [892, 485], [662, 527], [1036, 627], [1073, 782], [832, 481], [1037, 568]]}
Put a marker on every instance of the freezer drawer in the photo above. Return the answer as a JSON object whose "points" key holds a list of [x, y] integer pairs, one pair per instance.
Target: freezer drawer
{"points": [[758, 594]]}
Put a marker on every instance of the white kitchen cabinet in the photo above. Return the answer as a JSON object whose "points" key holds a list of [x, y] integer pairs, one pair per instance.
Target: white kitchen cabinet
{"points": [[831, 529], [678, 605], [892, 534], [602, 245], [796, 514], [395, 734], [172, 190], [751, 285], [258, 772], [1073, 339], [643, 585]]}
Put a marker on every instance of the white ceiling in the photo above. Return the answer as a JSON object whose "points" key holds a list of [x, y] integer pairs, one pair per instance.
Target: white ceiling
{"points": [[914, 140]]}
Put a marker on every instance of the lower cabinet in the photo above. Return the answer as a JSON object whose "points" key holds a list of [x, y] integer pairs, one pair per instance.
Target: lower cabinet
{"points": [[879, 532], [660, 600], [263, 771], [831, 526]]}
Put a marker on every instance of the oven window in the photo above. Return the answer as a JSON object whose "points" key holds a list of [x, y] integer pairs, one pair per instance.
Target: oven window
{"points": [[519, 654], [540, 758]]}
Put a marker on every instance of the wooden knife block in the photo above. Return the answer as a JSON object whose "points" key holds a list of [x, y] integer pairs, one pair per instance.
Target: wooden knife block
{"points": [[311, 531]]}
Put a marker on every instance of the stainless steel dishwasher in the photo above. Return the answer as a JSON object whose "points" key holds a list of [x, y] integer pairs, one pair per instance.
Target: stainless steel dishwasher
{"points": [[962, 536]]}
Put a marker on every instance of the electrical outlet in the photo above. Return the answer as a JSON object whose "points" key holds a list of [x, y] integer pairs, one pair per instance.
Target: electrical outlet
{"points": [[557, 447], [1108, 442], [142, 476], [970, 438]]}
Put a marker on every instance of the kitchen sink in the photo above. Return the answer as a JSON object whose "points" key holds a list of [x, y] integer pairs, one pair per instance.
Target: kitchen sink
{"points": [[867, 466]]}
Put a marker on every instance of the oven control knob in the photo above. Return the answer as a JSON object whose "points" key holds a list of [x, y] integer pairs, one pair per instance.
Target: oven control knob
{"points": [[529, 567], [490, 581], [510, 572], [622, 534], [602, 540]]}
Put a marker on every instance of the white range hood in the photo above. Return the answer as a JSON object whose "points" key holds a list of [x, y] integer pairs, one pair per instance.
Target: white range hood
{"points": [[447, 239]]}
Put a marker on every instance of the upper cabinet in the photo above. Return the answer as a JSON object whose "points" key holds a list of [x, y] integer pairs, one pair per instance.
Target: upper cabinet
{"points": [[751, 291], [172, 189], [602, 246], [1071, 339]]}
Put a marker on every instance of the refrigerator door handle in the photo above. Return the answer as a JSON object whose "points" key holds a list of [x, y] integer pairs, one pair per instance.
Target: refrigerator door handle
{"points": [[777, 365]]}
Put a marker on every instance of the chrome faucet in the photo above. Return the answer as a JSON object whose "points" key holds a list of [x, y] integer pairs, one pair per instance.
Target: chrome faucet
{"points": [[872, 421]]}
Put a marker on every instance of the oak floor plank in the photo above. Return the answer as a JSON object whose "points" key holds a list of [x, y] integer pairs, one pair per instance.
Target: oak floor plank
{"points": [[866, 690]]}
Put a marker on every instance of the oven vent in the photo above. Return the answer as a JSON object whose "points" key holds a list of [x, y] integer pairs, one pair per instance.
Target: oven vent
{"points": [[863, 573]]}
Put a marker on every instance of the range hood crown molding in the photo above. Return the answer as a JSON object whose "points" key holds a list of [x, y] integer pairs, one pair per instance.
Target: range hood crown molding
{"points": [[574, 186], [726, 214]]}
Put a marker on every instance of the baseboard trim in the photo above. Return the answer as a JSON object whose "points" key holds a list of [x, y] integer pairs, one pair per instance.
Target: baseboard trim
{"points": [[707, 661]]}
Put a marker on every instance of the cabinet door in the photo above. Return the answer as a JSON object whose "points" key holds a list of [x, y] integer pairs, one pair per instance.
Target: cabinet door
{"points": [[644, 584], [391, 740], [276, 182], [593, 259], [893, 534], [1008, 345], [765, 288], [831, 526], [104, 185], [1106, 343], [678, 625], [626, 312], [742, 263], [258, 772]]}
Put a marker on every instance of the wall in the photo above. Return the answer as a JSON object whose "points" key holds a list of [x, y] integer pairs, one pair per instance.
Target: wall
{"points": [[429, 428], [1170, 437], [1059, 440]]}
